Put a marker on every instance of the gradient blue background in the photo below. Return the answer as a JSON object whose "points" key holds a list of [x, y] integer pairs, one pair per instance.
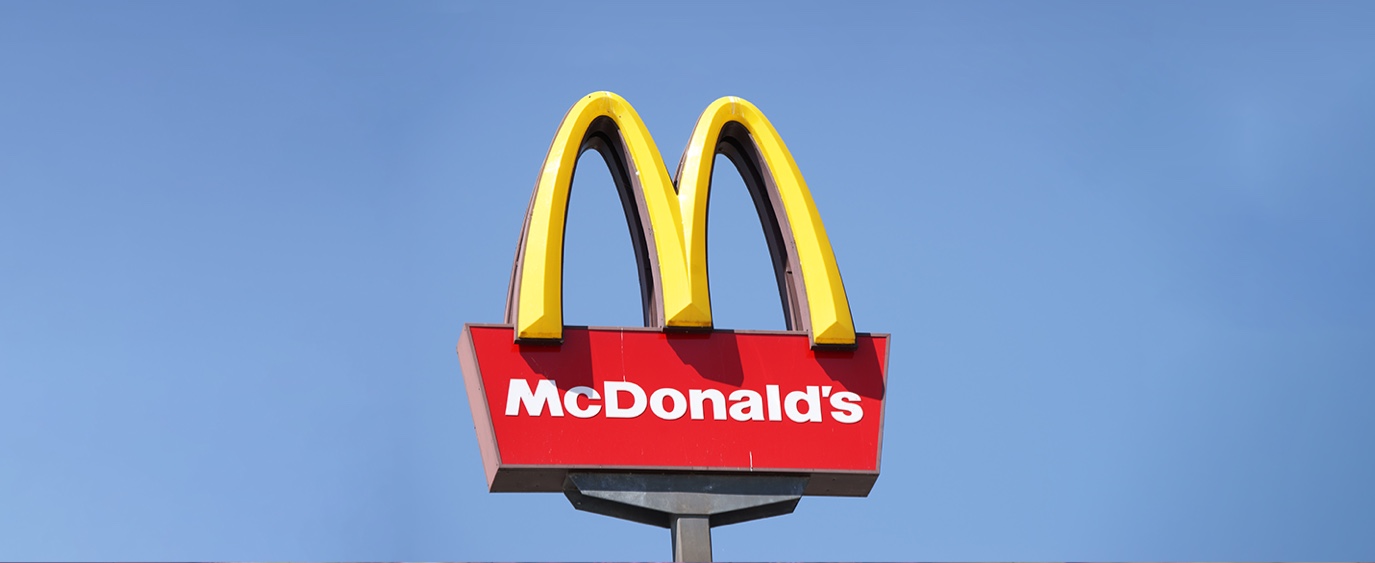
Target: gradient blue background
{"points": [[1126, 252]]}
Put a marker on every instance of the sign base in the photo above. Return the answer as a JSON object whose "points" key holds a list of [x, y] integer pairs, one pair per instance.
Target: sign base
{"points": [[688, 505]]}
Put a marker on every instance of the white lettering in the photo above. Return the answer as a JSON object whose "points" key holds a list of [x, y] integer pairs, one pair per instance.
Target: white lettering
{"points": [[656, 404], [700, 396], [623, 399], [775, 413], [812, 397], [848, 402], [749, 407], [570, 402], [545, 394], [612, 390]]}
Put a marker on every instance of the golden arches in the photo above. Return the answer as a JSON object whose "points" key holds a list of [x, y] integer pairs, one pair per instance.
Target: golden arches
{"points": [[671, 244]]}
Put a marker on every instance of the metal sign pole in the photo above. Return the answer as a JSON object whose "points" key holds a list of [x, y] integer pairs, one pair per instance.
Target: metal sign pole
{"points": [[691, 537], [689, 505]]}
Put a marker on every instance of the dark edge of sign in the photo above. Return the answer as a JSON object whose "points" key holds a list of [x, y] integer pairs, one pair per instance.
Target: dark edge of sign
{"points": [[477, 402], [550, 478], [883, 409]]}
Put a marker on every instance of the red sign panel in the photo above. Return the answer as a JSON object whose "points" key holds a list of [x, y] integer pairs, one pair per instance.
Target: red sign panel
{"points": [[646, 399]]}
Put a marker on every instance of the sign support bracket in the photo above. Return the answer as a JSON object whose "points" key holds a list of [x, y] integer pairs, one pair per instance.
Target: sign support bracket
{"points": [[689, 505]]}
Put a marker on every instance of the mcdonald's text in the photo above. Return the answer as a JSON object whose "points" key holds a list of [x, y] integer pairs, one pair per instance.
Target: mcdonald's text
{"points": [[668, 403]]}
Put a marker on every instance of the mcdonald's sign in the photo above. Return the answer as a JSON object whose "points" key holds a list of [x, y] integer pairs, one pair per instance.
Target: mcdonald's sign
{"points": [[678, 394]]}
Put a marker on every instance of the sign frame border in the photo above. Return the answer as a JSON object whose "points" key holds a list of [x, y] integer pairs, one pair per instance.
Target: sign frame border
{"points": [[509, 478]]}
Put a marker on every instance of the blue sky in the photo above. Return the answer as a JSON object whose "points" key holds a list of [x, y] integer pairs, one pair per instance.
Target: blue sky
{"points": [[1124, 251]]}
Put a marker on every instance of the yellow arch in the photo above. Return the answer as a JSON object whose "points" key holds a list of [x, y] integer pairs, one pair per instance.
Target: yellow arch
{"points": [[827, 309], [537, 283], [673, 222]]}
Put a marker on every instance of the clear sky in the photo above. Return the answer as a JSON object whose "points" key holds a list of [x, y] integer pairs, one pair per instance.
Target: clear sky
{"points": [[1126, 252]]}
